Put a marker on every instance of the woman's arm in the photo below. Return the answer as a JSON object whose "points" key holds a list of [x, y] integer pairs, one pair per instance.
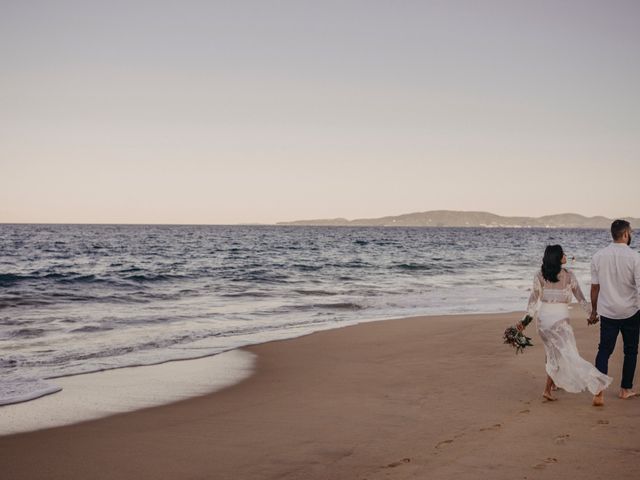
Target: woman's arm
{"points": [[533, 304], [535, 297]]}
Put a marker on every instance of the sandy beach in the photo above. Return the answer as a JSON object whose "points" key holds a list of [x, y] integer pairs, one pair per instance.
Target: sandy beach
{"points": [[423, 397]]}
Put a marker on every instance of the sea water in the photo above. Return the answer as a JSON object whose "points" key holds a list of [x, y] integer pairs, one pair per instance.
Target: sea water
{"points": [[85, 298]]}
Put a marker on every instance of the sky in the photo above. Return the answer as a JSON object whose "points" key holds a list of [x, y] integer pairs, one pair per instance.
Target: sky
{"points": [[265, 111]]}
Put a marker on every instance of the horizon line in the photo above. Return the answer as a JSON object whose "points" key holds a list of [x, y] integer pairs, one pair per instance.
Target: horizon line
{"points": [[278, 223]]}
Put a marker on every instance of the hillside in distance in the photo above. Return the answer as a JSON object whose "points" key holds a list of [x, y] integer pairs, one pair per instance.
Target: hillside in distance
{"points": [[450, 218]]}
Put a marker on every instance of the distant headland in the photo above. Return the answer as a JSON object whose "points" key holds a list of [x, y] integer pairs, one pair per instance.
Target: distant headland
{"points": [[450, 218]]}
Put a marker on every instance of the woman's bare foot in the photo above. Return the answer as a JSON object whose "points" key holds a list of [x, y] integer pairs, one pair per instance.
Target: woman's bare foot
{"points": [[626, 393], [548, 388], [554, 387], [598, 400]]}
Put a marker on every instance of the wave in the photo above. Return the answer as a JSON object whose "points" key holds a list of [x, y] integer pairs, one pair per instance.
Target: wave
{"points": [[247, 294], [8, 363], [27, 333], [53, 276], [82, 279], [315, 292], [153, 278], [324, 306], [307, 268], [412, 266], [112, 296], [126, 270], [91, 329], [19, 390], [263, 277], [8, 279], [341, 306], [22, 301], [351, 264]]}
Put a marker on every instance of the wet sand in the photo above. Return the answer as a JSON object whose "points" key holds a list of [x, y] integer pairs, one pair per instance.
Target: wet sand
{"points": [[424, 397]]}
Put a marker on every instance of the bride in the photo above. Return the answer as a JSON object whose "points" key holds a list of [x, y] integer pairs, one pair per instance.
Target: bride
{"points": [[553, 290]]}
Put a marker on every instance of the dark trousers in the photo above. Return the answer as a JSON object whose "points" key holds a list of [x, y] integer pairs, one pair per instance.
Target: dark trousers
{"points": [[609, 329]]}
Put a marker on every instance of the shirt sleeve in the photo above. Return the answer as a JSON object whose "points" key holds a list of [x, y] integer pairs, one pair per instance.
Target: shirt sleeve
{"points": [[535, 297], [595, 280], [577, 292], [636, 272]]}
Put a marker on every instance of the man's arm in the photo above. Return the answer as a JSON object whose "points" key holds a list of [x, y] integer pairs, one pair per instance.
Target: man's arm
{"points": [[637, 277], [595, 291]]}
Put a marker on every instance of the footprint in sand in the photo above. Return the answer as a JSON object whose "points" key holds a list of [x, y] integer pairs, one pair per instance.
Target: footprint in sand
{"points": [[547, 461], [397, 464], [444, 442], [562, 439], [492, 427], [524, 411], [599, 424]]}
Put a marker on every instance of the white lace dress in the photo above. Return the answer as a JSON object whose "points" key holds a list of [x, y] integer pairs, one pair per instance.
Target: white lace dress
{"points": [[549, 305]]}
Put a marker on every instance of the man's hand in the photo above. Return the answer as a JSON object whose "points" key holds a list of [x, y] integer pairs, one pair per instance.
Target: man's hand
{"points": [[593, 318]]}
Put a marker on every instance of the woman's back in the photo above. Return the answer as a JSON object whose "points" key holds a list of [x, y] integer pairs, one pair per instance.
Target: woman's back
{"points": [[561, 291]]}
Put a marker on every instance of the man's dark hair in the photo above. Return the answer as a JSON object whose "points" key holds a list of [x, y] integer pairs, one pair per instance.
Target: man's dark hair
{"points": [[618, 227]]}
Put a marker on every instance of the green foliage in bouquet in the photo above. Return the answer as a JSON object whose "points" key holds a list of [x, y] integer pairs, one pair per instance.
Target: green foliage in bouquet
{"points": [[513, 336]]}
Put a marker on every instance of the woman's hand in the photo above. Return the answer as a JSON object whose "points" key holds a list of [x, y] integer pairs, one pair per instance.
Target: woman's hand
{"points": [[520, 326]]}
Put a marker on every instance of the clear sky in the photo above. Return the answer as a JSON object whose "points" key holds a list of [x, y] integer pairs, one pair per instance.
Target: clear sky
{"points": [[229, 112]]}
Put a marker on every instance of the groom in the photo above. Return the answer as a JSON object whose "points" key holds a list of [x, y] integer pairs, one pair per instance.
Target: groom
{"points": [[615, 292]]}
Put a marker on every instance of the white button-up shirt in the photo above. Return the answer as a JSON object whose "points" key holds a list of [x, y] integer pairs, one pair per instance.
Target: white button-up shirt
{"points": [[616, 268]]}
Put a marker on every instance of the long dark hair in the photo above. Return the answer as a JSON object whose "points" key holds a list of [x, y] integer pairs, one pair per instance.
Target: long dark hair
{"points": [[552, 262]]}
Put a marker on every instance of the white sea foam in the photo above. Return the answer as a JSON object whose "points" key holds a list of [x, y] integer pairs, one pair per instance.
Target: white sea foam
{"points": [[16, 390], [95, 395]]}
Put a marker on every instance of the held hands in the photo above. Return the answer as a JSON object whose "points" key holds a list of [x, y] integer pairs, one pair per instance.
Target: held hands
{"points": [[593, 318]]}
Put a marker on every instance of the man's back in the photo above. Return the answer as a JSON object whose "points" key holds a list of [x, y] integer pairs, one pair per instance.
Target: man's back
{"points": [[616, 268]]}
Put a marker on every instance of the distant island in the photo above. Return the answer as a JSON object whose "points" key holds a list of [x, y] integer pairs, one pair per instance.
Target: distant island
{"points": [[449, 218]]}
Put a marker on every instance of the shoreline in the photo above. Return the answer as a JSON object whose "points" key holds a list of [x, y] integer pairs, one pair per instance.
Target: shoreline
{"points": [[424, 397], [57, 382], [90, 396]]}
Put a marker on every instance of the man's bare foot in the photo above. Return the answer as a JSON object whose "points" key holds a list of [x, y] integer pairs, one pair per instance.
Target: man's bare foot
{"points": [[547, 396], [626, 393], [598, 400]]}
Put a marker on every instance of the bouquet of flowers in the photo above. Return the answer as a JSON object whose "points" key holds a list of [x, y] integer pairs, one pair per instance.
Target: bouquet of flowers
{"points": [[513, 335]]}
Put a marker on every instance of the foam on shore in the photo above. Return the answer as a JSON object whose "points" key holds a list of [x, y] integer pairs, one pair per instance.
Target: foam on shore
{"points": [[17, 390], [95, 395]]}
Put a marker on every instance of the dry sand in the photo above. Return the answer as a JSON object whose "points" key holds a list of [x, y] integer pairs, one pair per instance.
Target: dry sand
{"points": [[423, 397]]}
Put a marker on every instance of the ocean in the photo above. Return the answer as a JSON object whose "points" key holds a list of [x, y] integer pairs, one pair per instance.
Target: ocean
{"points": [[85, 298]]}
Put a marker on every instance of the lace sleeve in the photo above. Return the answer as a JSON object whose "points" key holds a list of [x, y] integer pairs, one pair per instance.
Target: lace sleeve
{"points": [[577, 292], [535, 297]]}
